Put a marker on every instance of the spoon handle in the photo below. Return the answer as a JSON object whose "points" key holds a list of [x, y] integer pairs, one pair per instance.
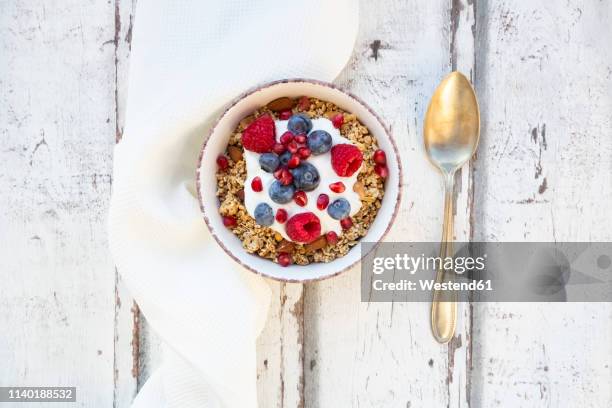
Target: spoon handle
{"points": [[444, 312]]}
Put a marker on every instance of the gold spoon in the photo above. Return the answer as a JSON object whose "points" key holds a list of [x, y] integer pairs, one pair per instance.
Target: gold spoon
{"points": [[451, 132]]}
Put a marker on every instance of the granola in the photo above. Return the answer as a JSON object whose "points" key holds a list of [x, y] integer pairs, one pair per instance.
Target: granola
{"points": [[264, 241]]}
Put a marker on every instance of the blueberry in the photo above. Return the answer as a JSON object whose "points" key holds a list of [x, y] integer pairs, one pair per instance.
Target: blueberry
{"points": [[305, 177], [264, 215], [319, 142], [284, 158], [281, 194], [269, 162], [339, 209], [299, 124]]}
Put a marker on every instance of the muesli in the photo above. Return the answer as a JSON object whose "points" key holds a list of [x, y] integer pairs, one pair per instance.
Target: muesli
{"points": [[301, 181]]}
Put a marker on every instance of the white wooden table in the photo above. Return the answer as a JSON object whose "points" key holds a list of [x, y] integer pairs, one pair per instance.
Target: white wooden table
{"points": [[543, 74]]}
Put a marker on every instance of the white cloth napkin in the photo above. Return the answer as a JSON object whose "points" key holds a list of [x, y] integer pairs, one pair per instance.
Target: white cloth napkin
{"points": [[188, 59]]}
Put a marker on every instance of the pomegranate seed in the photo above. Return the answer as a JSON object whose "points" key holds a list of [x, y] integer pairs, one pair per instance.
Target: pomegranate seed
{"points": [[284, 115], [286, 138], [278, 173], [256, 184], [279, 148], [286, 177], [379, 157], [304, 152], [292, 147], [281, 215], [338, 120], [229, 221], [381, 170], [300, 198], [301, 139], [346, 223], [284, 259], [222, 162], [332, 238], [337, 187], [322, 201], [304, 103], [294, 161]]}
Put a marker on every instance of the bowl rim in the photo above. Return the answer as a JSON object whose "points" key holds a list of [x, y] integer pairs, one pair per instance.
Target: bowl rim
{"points": [[260, 87]]}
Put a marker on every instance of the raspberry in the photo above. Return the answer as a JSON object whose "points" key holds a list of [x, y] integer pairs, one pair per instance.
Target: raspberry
{"points": [[332, 238], [286, 138], [338, 120], [303, 227], [322, 201], [346, 159], [381, 170], [229, 221], [304, 152], [279, 148], [346, 223], [337, 187], [256, 184], [284, 115], [284, 259], [294, 161], [379, 157], [300, 198], [301, 139], [259, 136], [281, 215], [222, 162]]}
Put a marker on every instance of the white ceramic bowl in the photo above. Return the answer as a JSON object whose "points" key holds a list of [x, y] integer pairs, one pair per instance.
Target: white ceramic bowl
{"points": [[216, 144]]}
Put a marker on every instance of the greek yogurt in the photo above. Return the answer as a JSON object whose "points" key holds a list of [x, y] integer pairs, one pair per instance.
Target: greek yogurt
{"points": [[327, 176]]}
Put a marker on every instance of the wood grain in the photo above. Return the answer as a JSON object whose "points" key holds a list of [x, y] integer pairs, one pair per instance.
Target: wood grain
{"points": [[543, 174], [128, 322], [146, 346], [463, 26], [280, 353], [363, 354], [543, 74], [57, 124]]}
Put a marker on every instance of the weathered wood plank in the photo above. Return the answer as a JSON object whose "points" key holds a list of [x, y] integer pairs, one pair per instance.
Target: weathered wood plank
{"points": [[127, 315], [57, 132], [543, 78], [280, 353], [146, 355], [126, 346], [462, 57], [543, 174], [382, 354]]}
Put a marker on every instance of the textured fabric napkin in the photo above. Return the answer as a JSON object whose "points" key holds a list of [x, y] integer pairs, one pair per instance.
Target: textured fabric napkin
{"points": [[188, 59]]}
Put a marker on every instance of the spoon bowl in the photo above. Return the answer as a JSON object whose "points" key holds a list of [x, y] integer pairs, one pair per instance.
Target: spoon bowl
{"points": [[452, 123]]}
